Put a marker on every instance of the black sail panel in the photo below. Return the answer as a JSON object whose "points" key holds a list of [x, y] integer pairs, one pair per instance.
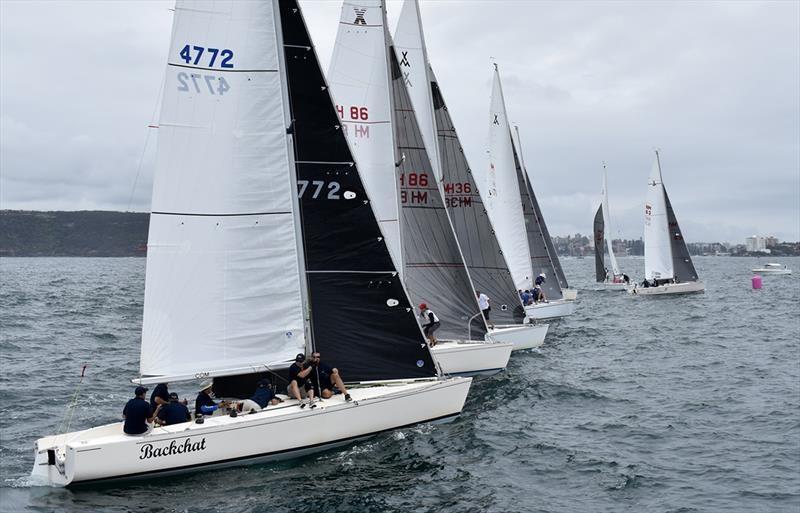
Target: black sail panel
{"points": [[361, 319], [434, 271], [599, 246], [482, 255], [537, 235], [683, 268]]}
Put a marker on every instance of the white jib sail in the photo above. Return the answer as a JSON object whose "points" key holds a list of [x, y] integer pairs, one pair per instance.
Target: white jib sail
{"points": [[501, 194], [409, 45], [359, 81], [607, 223], [657, 251], [222, 289]]}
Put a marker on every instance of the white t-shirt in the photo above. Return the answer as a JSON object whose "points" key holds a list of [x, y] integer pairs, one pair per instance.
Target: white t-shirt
{"points": [[483, 301], [427, 320]]}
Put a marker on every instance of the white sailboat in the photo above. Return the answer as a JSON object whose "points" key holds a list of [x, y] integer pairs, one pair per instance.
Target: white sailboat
{"points": [[668, 267], [241, 271], [374, 104], [612, 278], [509, 201], [471, 224]]}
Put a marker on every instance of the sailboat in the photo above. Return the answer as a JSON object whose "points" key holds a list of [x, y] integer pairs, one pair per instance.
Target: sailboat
{"points": [[374, 105], [668, 267], [514, 213], [613, 278], [543, 251], [471, 224], [262, 243]]}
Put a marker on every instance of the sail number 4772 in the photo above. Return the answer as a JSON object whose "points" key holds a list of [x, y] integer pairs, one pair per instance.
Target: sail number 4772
{"points": [[194, 55]]}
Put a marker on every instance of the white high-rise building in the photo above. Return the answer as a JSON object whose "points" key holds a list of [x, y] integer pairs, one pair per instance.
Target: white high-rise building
{"points": [[756, 243]]}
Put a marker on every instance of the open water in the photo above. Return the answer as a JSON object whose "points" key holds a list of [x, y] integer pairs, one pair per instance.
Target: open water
{"points": [[675, 404]]}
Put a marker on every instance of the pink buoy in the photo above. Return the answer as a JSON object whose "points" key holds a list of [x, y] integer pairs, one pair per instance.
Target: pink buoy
{"points": [[756, 282]]}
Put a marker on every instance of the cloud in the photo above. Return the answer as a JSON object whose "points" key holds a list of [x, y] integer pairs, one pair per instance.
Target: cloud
{"points": [[713, 84]]}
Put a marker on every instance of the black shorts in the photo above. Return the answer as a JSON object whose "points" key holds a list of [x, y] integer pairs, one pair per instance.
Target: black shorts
{"points": [[429, 329], [487, 312]]}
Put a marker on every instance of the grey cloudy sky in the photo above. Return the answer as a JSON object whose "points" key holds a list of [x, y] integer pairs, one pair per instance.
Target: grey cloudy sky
{"points": [[715, 85]]}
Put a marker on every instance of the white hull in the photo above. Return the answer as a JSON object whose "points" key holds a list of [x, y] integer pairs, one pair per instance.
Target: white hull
{"points": [[688, 287], [551, 310], [523, 336], [105, 453], [608, 285], [569, 294], [771, 271], [473, 358]]}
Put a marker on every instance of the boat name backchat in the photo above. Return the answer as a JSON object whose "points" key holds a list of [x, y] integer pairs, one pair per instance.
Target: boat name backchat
{"points": [[148, 450]]}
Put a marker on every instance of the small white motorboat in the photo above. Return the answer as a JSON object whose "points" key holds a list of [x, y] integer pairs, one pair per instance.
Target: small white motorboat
{"points": [[772, 268]]}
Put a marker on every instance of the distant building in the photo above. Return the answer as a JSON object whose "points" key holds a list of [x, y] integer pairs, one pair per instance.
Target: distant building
{"points": [[771, 241], [757, 244]]}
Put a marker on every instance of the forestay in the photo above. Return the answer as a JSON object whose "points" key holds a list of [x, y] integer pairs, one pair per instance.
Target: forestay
{"points": [[501, 193], [657, 246], [541, 259], [222, 289], [362, 320], [434, 271], [359, 77], [479, 246]]}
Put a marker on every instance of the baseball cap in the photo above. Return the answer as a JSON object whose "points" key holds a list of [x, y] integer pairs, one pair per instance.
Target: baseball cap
{"points": [[423, 306], [173, 395], [140, 390], [300, 357]]}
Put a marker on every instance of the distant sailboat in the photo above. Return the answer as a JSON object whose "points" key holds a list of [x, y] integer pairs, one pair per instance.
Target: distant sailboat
{"points": [[262, 244], [513, 211], [610, 278], [667, 263], [388, 144], [473, 229]]}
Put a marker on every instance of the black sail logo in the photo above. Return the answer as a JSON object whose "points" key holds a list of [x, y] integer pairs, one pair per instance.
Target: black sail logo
{"points": [[359, 16], [150, 450]]}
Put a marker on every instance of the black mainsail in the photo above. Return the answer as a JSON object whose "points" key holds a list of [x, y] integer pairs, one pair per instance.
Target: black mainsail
{"points": [[599, 246], [682, 266], [361, 318], [482, 255], [541, 259]]}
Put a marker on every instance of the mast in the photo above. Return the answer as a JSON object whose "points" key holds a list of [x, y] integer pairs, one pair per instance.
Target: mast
{"points": [[292, 154]]}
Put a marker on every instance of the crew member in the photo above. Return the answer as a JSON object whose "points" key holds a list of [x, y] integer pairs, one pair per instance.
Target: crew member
{"points": [[430, 323], [174, 412], [160, 396], [323, 377], [262, 397], [137, 413], [205, 404], [485, 306], [298, 380]]}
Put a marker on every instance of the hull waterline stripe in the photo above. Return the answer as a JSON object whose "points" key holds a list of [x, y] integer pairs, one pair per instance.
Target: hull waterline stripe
{"points": [[254, 456]]}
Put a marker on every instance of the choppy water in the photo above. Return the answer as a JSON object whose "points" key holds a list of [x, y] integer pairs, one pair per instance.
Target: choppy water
{"points": [[634, 404]]}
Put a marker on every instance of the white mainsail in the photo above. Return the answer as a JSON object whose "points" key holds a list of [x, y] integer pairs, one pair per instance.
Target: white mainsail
{"points": [[223, 288], [607, 223], [409, 44], [365, 109], [501, 194], [657, 250]]}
